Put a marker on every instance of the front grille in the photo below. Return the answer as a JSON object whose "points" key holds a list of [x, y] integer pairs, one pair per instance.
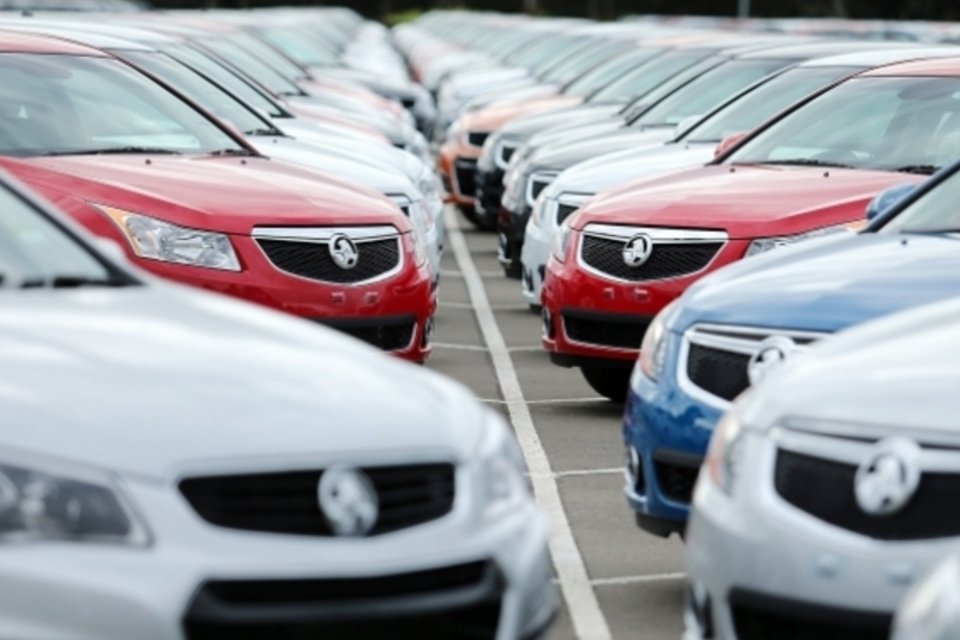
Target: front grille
{"points": [[667, 260], [287, 502], [490, 189], [388, 334], [466, 175], [462, 601], [623, 332], [313, 260], [564, 211], [506, 152], [676, 481], [537, 187], [754, 619], [721, 373], [477, 138], [825, 490]]}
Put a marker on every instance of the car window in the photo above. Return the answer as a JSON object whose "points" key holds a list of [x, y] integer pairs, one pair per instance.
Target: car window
{"points": [[708, 90], [765, 101], [54, 104], [883, 123], [33, 248], [648, 75], [252, 67], [938, 210], [609, 71]]}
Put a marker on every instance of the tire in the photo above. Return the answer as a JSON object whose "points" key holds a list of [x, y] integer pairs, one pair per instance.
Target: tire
{"points": [[513, 269], [469, 213], [535, 309], [485, 221], [610, 382]]}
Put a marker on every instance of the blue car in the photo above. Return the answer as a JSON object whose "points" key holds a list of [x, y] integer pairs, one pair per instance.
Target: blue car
{"points": [[730, 329]]}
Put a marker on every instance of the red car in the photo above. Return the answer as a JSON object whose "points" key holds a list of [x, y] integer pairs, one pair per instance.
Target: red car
{"points": [[809, 172], [190, 201]]}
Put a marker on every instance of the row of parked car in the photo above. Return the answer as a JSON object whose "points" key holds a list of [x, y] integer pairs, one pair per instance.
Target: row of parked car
{"points": [[689, 208], [177, 464]]}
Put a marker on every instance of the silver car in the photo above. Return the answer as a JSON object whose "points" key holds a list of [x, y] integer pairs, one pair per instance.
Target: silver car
{"points": [[176, 464], [931, 611], [831, 487]]}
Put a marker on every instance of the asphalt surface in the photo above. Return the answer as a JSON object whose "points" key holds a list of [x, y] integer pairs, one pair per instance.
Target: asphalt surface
{"points": [[636, 579]]}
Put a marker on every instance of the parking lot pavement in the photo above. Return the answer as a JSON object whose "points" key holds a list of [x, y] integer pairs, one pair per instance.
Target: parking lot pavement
{"points": [[618, 581]]}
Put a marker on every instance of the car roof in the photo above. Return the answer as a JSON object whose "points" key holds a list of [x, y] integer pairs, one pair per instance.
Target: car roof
{"points": [[122, 31], [931, 67], [80, 36], [18, 42], [822, 48], [882, 57]]}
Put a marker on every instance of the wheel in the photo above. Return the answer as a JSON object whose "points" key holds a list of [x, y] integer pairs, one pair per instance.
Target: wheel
{"points": [[535, 309], [610, 382], [512, 269]]}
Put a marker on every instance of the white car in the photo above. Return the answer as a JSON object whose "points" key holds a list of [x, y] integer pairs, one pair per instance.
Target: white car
{"points": [[179, 465], [831, 487], [931, 611]]}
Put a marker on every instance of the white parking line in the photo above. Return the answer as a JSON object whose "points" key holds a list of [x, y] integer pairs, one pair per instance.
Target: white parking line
{"points": [[585, 613], [458, 347], [656, 577], [596, 399], [609, 471]]}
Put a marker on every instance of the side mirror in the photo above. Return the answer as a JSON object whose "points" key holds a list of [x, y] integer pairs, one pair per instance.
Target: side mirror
{"points": [[728, 143], [687, 123], [887, 199]]}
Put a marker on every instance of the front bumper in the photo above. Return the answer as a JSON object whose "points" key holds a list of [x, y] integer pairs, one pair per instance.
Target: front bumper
{"points": [[394, 314], [756, 560], [457, 164], [618, 311], [189, 583], [666, 434]]}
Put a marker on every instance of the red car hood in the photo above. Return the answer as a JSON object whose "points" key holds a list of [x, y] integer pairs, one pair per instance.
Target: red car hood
{"points": [[230, 195], [494, 117], [746, 201]]}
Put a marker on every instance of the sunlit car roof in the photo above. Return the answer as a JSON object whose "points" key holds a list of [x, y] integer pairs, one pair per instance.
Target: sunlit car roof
{"points": [[18, 42]]}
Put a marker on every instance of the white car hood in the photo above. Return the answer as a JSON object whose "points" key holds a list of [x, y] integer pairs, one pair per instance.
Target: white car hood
{"points": [[158, 379]]}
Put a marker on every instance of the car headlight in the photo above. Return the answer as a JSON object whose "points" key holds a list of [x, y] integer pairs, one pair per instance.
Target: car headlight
{"points": [[653, 350], [762, 245], [454, 131], [724, 452], [429, 186], [503, 468], [43, 501], [421, 219], [931, 610], [417, 248], [159, 240], [540, 208], [561, 242]]}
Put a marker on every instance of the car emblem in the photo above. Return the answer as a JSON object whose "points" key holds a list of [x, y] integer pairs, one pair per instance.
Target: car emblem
{"points": [[343, 251], [348, 501], [637, 250], [889, 477], [769, 355]]}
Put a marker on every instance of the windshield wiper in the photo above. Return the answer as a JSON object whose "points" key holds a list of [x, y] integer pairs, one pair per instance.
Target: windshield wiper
{"points": [[265, 132], [67, 281], [239, 151], [809, 162], [922, 169], [112, 151]]}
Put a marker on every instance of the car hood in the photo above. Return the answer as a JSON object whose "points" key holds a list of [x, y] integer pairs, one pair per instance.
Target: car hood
{"points": [[495, 116], [611, 169], [573, 132], [354, 170], [516, 96], [828, 285], [747, 201], [529, 125], [231, 195], [900, 372], [157, 380], [558, 157]]}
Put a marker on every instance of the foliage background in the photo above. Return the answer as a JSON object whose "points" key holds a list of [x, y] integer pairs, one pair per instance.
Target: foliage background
{"points": [[609, 9]]}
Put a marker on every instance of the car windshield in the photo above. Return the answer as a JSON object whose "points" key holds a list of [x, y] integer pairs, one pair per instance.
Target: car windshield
{"points": [[708, 90], [765, 101], [199, 89], [36, 252], [936, 211], [296, 46], [225, 77], [588, 55], [648, 75], [909, 124], [55, 105], [605, 73], [253, 67]]}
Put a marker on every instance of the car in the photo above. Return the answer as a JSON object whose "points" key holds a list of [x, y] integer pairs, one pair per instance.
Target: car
{"points": [[692, 145], [197, 466], [929, 611], [667, 110], [810, 171], [191, 201], [828, 487]]}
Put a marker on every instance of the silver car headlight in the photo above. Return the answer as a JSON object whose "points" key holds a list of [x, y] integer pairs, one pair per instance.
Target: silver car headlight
{"points": [[503, 469], [429, 186], [725, 452], [931, 610], [156, 239], [44, 501], [762, 245]]}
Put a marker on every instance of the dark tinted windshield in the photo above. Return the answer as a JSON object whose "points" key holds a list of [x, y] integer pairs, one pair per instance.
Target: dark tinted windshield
{"points": [[58, 104], [909, 124], [765, 101]]}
